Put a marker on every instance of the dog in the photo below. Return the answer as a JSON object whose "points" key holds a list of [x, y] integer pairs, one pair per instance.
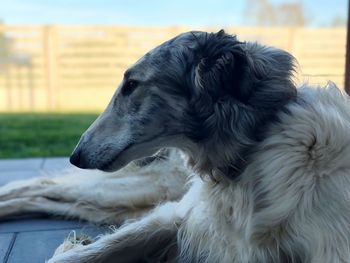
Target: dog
{"points": [[213, 155]]}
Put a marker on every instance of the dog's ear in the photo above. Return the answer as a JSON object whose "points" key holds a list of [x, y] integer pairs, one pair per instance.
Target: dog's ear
{"points": [[222, 68], [239, 86], [249, 73]]}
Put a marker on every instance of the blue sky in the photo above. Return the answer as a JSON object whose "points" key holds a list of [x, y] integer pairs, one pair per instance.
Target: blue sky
{"points": [[151, 12]]}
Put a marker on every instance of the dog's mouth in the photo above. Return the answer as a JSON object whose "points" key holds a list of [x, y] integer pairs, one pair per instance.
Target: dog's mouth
{"points": [[109, 166], [121, 159]]}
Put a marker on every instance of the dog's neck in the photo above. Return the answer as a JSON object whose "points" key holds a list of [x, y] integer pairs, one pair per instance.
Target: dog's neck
{"points": [[218, 162], [226, 160]]}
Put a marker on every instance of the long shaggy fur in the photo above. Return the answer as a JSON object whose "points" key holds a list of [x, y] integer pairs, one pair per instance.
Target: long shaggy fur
{"points": [[261, 174]]}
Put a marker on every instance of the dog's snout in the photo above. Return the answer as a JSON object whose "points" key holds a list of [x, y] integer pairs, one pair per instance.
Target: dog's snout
{"points": [[75, 158]]}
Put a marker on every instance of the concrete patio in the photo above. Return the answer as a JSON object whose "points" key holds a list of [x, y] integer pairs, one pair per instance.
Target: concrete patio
{"points": [[34, 239]]}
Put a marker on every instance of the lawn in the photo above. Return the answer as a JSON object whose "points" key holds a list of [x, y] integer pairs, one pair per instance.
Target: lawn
{"points": [[41, 134]]}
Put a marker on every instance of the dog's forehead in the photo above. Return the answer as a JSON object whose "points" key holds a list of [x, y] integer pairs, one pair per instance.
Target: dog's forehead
{"points": [[141, 70], [163, 55], [184, 40], [176, 44]]}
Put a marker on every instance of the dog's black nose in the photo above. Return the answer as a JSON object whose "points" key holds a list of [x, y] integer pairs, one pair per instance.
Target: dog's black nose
{"points": [[75, 158]]}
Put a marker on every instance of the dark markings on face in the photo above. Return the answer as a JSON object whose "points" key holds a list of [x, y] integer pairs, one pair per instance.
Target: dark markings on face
{"points": [[173, 68]]}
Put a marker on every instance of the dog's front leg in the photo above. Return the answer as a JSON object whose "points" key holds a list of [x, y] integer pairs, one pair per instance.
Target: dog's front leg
{"points": [[97, 197], [153, 237]]}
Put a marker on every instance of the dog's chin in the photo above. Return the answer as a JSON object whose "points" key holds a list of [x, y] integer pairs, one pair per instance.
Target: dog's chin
{"points": [[113, 166], [123, 158], [118, 162], [134, 151]]}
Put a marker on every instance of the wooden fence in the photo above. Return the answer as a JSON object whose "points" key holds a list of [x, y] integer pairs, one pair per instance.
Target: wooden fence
{"points": [[77, 68]]}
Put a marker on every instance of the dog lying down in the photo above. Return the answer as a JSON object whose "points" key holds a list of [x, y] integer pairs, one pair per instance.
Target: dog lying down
{"points": [[244, 166]]}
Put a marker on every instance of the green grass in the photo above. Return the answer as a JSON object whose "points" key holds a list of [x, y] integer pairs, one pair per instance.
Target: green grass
{"points": [[41, 134]]}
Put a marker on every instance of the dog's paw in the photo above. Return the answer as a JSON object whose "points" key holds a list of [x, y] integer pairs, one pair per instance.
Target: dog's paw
{"points": [[73, 241]]}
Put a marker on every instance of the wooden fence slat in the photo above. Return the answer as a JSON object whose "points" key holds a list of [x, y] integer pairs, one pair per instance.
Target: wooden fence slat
{"points": [[66, 60], [50, 43]]}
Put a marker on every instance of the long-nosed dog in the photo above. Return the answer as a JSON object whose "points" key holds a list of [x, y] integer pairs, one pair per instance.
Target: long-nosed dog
{"points": [[267, 165]]}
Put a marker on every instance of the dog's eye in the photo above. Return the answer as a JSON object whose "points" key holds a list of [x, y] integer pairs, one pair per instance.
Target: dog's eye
{"points": [[129, 87]]}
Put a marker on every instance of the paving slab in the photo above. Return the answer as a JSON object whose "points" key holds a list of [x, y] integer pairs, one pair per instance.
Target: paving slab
{"points": [[38, 224], [9, 176], [40, 246], [34, 238], [6, 242], [21, 164], [56, 164]]}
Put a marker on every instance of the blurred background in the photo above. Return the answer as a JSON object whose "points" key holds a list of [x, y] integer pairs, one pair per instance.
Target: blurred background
{"points": [[61, 61]]}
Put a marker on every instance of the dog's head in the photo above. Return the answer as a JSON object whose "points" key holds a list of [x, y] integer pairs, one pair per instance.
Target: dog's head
{"points": [[205, 93]]}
